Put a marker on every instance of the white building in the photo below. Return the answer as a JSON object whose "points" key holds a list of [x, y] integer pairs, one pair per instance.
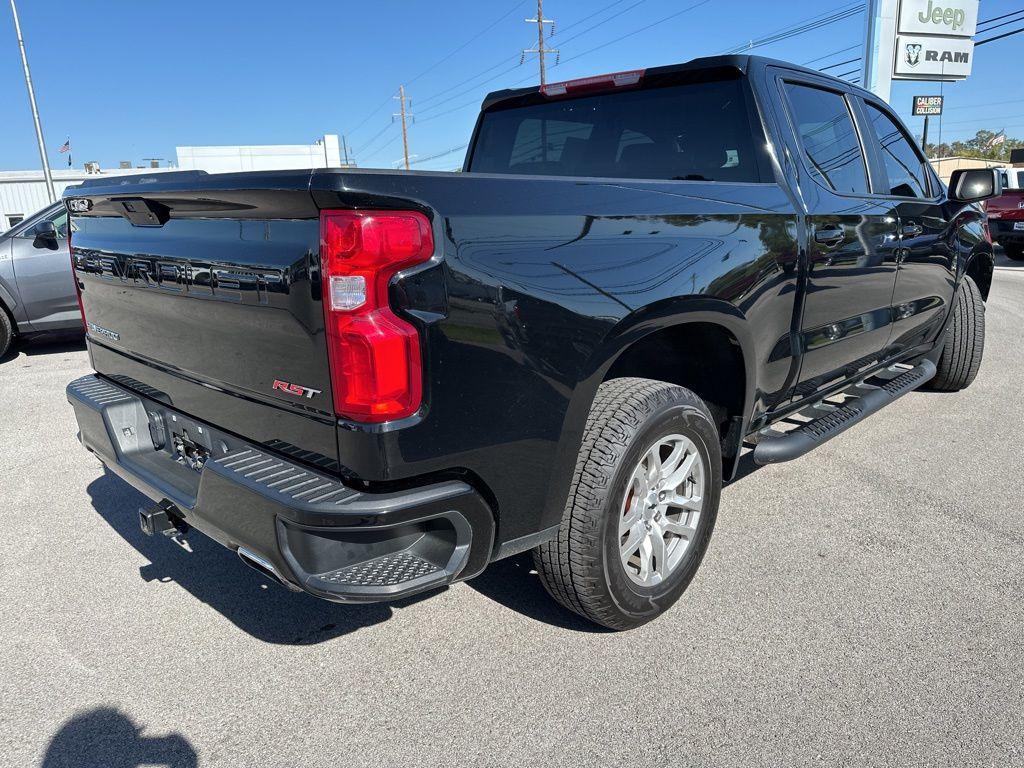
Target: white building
{"points": [[22, 193], [324, 153]]}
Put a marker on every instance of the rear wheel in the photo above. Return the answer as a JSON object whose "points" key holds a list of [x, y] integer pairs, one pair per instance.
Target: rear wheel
{"points": [[641, 507], [964, 345], [6, 331], [1014, 251]]}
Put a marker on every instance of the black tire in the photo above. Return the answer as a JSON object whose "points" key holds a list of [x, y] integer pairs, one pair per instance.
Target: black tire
{"points": [[6, 331], [581, 568], [964, 345], [1014, 251]]}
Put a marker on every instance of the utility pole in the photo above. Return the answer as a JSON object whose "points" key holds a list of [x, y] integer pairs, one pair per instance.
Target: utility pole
{"points": [[344, 148], [402, 113], [924, 137], [541, 49], [35, 112]]}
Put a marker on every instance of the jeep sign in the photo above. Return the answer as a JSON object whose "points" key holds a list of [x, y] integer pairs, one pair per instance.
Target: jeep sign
{"points": [[933, 58], [950, 18]]}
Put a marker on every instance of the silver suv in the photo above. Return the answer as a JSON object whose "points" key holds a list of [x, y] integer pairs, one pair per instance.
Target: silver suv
{"points": [[37, 292]]}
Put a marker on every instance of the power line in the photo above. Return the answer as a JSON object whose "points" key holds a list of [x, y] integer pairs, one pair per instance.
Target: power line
{"points": [[563, 41], [473, 39], [1004, 24], [474, 77], [975, 106], [840, 64], [801, 27], [830, 55], [376, 136], [382, 147], [366, 119], [441, 61], [472, 88], [439, 154], [999, 37], [637, 31], [997, 18], [976, 120]]}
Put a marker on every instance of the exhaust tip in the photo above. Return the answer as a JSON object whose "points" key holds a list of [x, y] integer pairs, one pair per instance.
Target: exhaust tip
{"points": [[261, 564]]}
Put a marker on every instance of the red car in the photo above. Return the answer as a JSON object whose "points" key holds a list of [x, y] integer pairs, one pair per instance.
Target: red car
{"points": [[1006, 214]]}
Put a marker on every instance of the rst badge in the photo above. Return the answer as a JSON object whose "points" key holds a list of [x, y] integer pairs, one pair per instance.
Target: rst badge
{"points": [[295, 389]]}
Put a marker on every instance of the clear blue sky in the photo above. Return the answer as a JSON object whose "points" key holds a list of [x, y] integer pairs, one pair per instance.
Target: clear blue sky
{"points": [[127, 80]]}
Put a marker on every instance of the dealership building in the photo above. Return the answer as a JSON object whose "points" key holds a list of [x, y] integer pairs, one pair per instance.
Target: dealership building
{"points": [[22, 193]]}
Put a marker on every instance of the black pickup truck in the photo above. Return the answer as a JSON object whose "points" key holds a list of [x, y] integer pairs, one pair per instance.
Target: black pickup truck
{"points": [[374, 383]]}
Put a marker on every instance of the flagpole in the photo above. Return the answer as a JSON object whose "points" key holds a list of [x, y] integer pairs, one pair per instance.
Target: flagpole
{"points": [[35, 111]]}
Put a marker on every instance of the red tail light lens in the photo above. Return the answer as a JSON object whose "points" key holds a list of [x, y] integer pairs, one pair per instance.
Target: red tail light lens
{"points": [[376, 368]]}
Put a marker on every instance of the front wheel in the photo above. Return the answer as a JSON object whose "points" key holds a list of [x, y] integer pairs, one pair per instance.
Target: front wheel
{"points": [[6, 332], [641, 506], [964, 344]]}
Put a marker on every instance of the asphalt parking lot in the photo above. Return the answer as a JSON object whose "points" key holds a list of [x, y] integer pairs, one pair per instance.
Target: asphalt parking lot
{"points": [[861, 606]]}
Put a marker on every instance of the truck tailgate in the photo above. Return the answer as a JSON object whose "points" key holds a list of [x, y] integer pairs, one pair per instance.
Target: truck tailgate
{"points": [[204, 292]]}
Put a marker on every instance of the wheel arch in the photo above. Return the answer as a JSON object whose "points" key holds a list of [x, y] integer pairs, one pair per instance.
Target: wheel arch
{"points": [[624, 351], [980, 268]]}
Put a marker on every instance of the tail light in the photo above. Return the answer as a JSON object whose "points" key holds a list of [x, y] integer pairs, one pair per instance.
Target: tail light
{"points": [[74, 277], [593, 84], [376, 368]]}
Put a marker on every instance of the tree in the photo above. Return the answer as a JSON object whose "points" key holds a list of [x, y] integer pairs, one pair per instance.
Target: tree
{"points": [[980, 147]]}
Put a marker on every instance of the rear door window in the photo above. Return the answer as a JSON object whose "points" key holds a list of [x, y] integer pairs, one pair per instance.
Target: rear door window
{"points": [[694, 132], [830, 143]]}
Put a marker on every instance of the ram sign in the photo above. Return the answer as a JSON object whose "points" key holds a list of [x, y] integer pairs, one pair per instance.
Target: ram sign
{"points": [[933, 58]]}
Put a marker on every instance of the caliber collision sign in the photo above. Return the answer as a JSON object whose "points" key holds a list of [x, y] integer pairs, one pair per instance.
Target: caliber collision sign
{"points": [[927, 105]]}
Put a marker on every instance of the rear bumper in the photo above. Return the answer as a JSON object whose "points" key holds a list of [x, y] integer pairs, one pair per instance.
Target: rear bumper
{"points": [[309, 529]]}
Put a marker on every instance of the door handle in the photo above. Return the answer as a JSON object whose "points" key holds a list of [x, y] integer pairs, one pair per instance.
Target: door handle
{"points": [[913, 230], [829, 235]]}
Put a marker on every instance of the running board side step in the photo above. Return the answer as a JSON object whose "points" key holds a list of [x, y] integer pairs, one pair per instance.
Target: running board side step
{"points": [[860, 401]]}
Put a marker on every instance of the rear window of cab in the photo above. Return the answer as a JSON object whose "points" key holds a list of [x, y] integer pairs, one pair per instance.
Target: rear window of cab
{"points": [[690, 132]]}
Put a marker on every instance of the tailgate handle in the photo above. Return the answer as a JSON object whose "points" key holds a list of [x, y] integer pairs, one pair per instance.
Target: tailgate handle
{"points": [[142, 212]]}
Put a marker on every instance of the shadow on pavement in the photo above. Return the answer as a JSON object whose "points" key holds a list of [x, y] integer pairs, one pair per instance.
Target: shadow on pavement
{"points": [[106, 737], [44, 345], [218, 578], [514, 583]]}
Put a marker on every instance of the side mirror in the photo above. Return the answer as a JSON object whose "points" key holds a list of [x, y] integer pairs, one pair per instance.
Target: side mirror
{"points": [[975, 184], [45, 236]]}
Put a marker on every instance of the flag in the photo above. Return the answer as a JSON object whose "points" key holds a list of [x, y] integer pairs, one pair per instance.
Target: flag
{"points": [[999, 138], [65, 147]]}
